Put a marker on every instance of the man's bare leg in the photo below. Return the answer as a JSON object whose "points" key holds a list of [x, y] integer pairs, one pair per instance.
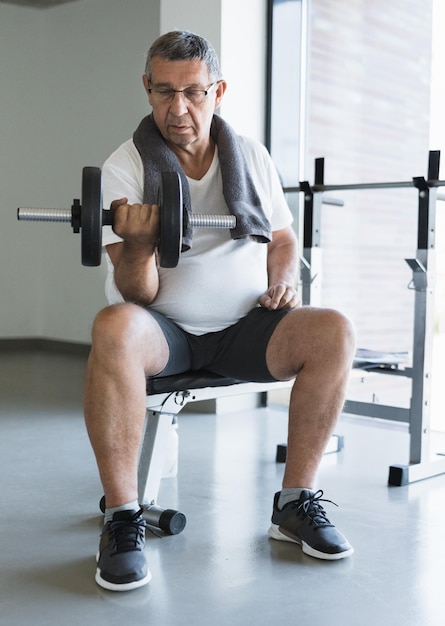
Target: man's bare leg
{"points": [[317, 346], [127, 346]]}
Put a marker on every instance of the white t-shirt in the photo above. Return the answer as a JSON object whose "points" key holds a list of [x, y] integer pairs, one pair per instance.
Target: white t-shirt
{"points": [[218, 280]]}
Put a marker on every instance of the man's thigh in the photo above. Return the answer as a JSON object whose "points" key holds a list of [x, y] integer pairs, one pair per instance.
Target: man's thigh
{"points": [[179, 349], [237, 352]]}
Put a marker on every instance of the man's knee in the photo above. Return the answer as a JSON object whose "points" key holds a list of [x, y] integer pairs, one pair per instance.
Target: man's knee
{"points": [[118, 327], [339, 331], [311, 335], [332, 334], [128, 335]]}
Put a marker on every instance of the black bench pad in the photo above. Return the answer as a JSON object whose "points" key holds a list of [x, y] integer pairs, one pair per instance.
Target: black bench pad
{"points": [[188, 380]]}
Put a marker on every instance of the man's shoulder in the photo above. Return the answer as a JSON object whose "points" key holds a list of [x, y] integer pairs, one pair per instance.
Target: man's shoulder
{"points": [[255, 152], [126, 152], [251, 144]]}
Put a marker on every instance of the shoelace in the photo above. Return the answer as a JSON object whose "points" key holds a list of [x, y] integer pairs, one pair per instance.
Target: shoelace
{"points": [[127, 534], [312, 509]]}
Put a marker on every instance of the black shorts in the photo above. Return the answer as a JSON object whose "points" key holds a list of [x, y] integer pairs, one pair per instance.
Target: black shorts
{"points": [[238, 351]]}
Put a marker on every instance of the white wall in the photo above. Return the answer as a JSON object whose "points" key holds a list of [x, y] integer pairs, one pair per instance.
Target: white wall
{"points": [[74, 92], [71, 92], [21, 43], [243, 60], [199, 16]]}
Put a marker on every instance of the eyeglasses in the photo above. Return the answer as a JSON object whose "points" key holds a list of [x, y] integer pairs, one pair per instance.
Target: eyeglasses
{"points": [[165, 95]]}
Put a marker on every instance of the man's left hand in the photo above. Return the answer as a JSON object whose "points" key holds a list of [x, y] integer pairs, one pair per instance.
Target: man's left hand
{"points": [[280, 296]]}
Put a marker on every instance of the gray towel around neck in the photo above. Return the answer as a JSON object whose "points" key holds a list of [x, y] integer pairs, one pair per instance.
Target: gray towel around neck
{"points": [[239, 191]]}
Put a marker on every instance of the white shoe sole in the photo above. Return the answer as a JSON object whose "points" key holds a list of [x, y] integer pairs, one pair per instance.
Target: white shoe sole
{"points": [[275, 533], [105, 584]]}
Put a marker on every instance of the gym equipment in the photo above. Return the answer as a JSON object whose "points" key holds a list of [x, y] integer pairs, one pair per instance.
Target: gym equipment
{"points": [[421, 465], [88, 217], [171, 522], [166, 397]]}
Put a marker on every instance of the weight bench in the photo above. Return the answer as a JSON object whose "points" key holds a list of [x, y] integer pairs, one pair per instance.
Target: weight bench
{"points": [[166, 397]]}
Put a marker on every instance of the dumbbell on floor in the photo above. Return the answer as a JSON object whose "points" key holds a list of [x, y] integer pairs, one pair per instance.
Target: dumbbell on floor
{"points": [[171, 522], [88, 217]]}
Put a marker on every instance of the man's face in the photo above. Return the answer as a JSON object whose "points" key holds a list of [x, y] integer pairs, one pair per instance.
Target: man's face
{"points": [[182, 122]]}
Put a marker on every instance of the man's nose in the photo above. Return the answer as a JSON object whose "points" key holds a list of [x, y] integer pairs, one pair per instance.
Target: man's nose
{"points": [[178, 105]]}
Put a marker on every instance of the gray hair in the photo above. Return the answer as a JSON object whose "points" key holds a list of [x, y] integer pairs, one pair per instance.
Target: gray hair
{"points": [[182, 45]]}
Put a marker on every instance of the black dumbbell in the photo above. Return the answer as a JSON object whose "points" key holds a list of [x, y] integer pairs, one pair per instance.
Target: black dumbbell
{"points": [[171, 522], [88, 217]]}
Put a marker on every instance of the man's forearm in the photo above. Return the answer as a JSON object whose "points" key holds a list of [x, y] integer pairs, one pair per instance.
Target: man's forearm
{"points": [[282, 264], [136, 275]]}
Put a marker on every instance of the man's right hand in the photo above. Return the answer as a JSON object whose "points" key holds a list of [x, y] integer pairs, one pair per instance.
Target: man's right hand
{"points": [[134, 258], [136, 224]]}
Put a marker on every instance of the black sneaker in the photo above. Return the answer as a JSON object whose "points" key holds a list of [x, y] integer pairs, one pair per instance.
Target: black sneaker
{"points": [[304, 522], [121, 562]]}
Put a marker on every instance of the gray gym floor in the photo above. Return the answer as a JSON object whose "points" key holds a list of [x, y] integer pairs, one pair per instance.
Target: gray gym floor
{"points": [[222, 569]]}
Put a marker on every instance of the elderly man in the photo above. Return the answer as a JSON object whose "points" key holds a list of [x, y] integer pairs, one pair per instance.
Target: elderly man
{"points": [[230, 305]]}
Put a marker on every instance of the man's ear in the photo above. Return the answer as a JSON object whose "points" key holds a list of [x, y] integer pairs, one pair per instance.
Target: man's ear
{"points": [[146, 84], [219, 92]]}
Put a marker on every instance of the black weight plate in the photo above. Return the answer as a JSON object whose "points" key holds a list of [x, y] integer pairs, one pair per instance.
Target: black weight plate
{"points": [[172, 522], [91, 216], [102, 504], [170, 227]]}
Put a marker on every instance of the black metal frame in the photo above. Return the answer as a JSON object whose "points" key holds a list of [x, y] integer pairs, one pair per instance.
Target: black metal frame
{"points": [[269, 53]]}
